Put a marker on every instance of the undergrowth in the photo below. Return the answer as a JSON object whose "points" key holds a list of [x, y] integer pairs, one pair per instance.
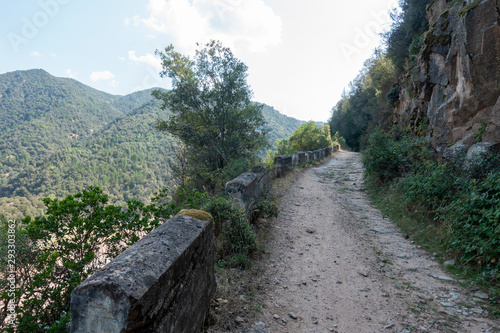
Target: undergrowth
{"points": [[449, 207]]}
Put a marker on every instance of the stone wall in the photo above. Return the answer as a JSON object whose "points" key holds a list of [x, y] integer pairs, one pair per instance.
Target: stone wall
{"points": [[245, 189], [162, 283]]}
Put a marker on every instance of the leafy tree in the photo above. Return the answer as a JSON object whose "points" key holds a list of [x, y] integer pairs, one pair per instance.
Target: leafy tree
{"points": [[211, 111], [60, 249], [366, 104], [408, 25], [310, 137]]}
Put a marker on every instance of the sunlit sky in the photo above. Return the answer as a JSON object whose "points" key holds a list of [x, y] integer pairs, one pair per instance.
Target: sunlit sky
{"points": [[300, 54]]}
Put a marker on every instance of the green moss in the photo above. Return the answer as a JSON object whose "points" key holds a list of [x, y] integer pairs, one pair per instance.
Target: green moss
{"points": [[432, 40], [444, 25], [197, 214], [468, 8]]}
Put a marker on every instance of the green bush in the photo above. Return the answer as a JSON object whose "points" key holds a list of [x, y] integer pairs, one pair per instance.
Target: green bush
{"points": [[59, 250], [391, 155], [460, 201], [238, 237]]}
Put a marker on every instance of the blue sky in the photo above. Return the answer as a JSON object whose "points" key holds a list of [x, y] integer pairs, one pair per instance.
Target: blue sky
{"points": [[301, 54]]}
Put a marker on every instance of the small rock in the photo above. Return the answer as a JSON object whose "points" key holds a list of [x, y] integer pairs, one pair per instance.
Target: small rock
{"points": [[481, 295], [314, 320], [450, 262], [310, 231], [476, 310], [292, 315], [239, 320], [363, 274], [284, 320], [447, 304], [276, 316], [442, 277], [391, 325]]}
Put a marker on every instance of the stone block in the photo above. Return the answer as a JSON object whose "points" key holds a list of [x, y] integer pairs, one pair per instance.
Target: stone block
{"points": [[162, 283]]}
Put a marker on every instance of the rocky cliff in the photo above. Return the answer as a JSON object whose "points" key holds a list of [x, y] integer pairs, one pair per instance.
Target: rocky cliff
{"points": [[452, 90]]}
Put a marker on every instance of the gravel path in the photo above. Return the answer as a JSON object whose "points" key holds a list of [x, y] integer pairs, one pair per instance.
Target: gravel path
{"points": [[335, 264]]}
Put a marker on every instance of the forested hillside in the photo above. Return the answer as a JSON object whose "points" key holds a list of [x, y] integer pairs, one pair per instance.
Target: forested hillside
{"points": [[58, 136]]}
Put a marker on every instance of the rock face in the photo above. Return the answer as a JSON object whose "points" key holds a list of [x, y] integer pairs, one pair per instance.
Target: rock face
{"points": [[162, 283], [454, 85]]}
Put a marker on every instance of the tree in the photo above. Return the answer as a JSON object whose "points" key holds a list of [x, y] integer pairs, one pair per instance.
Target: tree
{"points": [[59, 250], [310, 137], [211, 111]]}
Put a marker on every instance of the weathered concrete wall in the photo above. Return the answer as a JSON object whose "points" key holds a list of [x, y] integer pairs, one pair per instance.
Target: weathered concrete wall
{"points": [[162, 283], [245, 189], [282, 164]]}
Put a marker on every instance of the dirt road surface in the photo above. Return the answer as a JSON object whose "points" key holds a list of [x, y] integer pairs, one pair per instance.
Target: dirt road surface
{"points": [[334, 263]]}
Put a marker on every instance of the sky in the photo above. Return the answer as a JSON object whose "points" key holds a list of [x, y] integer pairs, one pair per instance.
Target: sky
{"points": [[301, 54]]}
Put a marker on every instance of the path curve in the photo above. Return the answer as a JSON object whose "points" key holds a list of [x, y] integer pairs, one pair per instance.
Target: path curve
{"points": [[336, 264]]}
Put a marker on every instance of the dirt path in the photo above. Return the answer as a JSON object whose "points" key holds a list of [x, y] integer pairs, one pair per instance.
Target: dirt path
{"points": [[335, 264]]}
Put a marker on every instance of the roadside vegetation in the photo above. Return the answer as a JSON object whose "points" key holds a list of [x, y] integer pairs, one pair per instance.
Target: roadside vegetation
{"points": [[221, 134], [451, 207]]}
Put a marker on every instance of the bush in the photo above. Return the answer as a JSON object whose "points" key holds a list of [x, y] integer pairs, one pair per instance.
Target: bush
{"points": [[390, 155], [460, 201], [238, 237], [59, 250]]}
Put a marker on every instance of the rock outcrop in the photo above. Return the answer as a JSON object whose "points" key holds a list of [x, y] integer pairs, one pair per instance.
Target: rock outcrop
{"points": [[452, 91]]}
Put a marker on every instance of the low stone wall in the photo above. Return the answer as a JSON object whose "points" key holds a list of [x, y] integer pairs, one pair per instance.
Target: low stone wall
{"points": [[162, 283], [245, 189]]}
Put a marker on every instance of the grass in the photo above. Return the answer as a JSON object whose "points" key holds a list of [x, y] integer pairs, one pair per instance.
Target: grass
{"points": [[430, 236]]}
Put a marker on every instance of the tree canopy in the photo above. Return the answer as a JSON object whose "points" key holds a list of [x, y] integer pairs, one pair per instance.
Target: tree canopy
{"points": [[211, 110]]}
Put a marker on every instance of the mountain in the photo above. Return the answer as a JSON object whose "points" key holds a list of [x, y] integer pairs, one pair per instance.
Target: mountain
{"points": [[58, 136]]}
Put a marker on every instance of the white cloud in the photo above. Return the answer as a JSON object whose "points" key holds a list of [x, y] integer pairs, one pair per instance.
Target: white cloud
{"points": [[35, 54], [70, 74], [135, 20], [244, 24], [148, 59], [104, 75]]}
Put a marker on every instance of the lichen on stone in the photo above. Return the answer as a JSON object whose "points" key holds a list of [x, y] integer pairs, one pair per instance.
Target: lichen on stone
{"points": [[197, 214], [468, 8]]}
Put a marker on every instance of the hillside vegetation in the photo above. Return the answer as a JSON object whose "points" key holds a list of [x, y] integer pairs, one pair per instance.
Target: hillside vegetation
{"points": [[59, 136], [400, 110]]}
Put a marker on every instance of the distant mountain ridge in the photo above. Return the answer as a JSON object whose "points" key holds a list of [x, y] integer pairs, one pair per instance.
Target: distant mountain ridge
{"points": [[58, 136]]}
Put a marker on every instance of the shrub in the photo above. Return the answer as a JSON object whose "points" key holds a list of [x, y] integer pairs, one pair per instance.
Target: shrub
{"points": [[59, 250], [238, 237], [390, 155]]}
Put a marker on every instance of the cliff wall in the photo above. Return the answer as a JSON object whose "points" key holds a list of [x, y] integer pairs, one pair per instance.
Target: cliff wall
{"points": [[452, 90]]}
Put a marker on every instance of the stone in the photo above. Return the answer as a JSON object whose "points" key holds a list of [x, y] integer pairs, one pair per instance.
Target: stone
{"points": [[142, 287], [450, 262], [481, 295], [258, 327], [292, 315], [455, 82]]}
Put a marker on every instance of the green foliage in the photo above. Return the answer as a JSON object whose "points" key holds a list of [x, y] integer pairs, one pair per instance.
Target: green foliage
{"points": [[309, 137], [58, 136], [389, 156], [408, 25], [238, 238], [62, 248], [211, 111], [461, 206], [265, 208], [365, 105]]}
